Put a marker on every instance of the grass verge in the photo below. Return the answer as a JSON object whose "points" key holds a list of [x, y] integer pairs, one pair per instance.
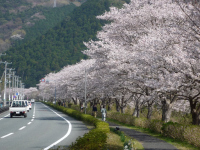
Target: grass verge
{"points": [[113, 142]]}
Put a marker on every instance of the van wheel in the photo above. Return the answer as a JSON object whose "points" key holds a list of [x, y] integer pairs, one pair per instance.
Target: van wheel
{"points": [[25, 115]]}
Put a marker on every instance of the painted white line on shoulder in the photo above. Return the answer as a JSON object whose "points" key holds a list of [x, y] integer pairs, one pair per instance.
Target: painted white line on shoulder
{"points": [[22, 127], [29, 123], [6, 116], [65, 136], [7, 135]]}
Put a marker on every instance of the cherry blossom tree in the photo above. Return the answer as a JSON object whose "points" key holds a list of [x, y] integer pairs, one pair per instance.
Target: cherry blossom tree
{"points": [[148, 53], [31, 92], [138, 41]]}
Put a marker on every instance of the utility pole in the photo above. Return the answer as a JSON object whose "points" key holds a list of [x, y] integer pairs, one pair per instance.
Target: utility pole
{"points": [[85, 89], [15, 87], [23, 91], [18, 87], [55, 91], [9, 81], [6, 63], [13, 84], [54, 4], [1, 63]]}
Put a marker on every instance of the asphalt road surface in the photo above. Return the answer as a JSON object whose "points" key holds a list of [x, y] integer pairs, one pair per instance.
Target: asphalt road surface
{"points": [[43, 128]]}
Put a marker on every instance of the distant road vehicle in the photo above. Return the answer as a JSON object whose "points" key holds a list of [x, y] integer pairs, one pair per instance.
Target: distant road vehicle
{"points": [[27, 105], [32, 100], [29, 102], [18, 108]]}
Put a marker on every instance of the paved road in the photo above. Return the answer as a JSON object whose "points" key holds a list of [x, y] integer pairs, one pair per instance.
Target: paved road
{"points": [[42, 129], [147, 141]]}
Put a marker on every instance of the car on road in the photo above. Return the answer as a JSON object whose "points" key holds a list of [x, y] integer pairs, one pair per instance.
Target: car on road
{"points": [[32, 100], [29, 103], [18, 108]]}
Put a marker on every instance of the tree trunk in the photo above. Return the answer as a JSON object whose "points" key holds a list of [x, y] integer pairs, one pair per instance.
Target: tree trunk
{"points": [[150, 110], [122, 110], [109, 104], [117, 106], [166, 110], [195, 111], [195, 118], [74, 100], [136, 112]]}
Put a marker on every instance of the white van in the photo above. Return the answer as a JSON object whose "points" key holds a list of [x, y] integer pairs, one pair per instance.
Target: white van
{"points": [[27, 105], [18, 108], [32, 100]]}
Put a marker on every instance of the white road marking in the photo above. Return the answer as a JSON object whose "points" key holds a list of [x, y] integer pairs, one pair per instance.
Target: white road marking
{"points": [[29, 122], [66, 135], [22, 127], [7, 135], [6, 116], [32, 119]]}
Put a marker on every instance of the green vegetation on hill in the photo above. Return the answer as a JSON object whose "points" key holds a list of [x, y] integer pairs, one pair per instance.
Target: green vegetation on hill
{"points": [[27, 20], [6, 5], [41, 26], [60, 46]]}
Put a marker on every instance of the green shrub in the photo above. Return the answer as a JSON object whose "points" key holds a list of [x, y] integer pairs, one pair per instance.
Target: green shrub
{"points": [[173, 130], [156, 126], [103, 126], [69, 105], [129, 119], [123, 118], [192, 135], [76, 107], [94, 140], [142, 122]]}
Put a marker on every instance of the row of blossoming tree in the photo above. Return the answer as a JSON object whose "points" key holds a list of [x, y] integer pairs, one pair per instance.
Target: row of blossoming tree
{"points": [[148, 54]]}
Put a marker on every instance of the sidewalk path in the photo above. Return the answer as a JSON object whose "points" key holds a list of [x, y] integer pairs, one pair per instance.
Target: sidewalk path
{"points": [[147, 141]]}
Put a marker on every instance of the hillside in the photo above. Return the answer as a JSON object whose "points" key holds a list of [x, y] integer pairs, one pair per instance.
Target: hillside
{"points": [[60, 46], [23, 20]]}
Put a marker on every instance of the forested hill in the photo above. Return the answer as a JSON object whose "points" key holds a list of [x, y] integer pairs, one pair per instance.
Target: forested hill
{"points": [[60, 46], [22, 20]]}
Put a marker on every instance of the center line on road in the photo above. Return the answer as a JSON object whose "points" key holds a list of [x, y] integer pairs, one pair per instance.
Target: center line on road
{"points": [[22, 127], [32, 119], [29, 123], [7, 135]]}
